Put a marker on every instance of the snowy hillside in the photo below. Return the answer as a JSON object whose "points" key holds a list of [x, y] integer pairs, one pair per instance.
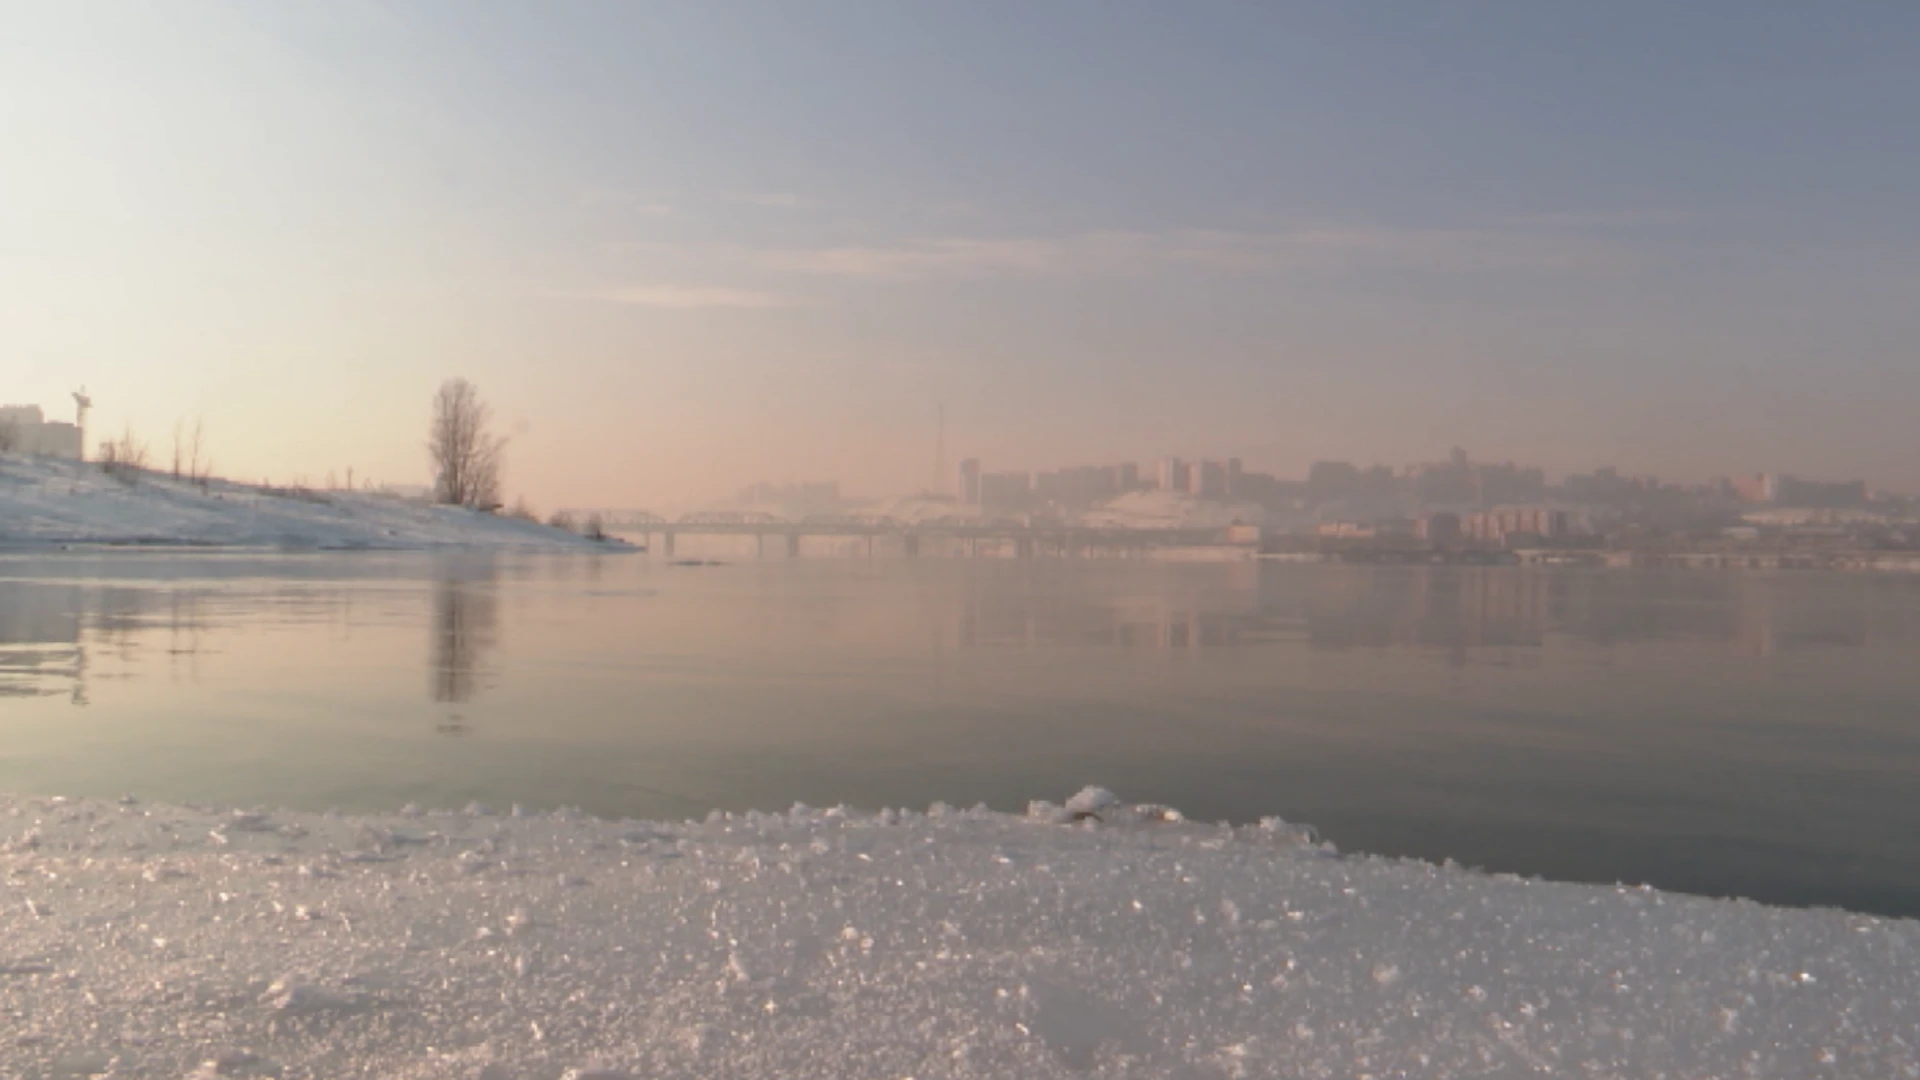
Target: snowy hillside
{"points": [[54, 501], [159, 942]]}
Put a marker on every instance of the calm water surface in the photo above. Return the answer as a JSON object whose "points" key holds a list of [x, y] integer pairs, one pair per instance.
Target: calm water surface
{"points": [[1726, 733]]}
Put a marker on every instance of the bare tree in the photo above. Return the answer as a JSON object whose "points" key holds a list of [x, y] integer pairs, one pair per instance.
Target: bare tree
{"points": [[189, 452], [466, 456], [124, 456]]}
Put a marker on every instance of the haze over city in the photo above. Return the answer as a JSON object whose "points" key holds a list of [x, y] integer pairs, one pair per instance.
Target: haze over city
{"points": [[681, 250], [959, 539]]}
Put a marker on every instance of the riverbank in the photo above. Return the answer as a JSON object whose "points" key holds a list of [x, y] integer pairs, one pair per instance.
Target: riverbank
{"points": [[51, 502], [159, 941]]}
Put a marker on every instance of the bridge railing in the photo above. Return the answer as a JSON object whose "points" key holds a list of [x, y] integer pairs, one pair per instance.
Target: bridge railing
{"points": [[730, 517], [618, 519]]}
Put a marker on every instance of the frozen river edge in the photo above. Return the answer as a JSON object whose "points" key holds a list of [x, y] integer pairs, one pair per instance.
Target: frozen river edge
{"points": [[142, 940]]}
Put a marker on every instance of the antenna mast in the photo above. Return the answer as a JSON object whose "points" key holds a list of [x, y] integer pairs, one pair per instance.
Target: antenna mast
{"points": [[940, 453], [81, 403]]}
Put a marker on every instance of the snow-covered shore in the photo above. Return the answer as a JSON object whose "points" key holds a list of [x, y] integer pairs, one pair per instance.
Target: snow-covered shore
{"points": [[50, 501], [158, 941]]}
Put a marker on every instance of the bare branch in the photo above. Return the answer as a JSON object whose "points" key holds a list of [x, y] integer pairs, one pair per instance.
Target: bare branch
{"points": [[125, 456], [467, 458]]}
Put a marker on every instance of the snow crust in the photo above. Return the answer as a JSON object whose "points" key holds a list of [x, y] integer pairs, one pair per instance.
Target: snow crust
{"points": [[56, 501], [163, 941]]}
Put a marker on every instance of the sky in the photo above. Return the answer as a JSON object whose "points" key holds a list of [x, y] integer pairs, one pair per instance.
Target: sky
{"points": [[681, 247]]}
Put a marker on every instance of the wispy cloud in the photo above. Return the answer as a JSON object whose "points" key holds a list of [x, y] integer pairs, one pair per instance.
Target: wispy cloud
{"points": [[1125, 252], [627, 201], [1592, 220], [688, 296], [785, 199]]}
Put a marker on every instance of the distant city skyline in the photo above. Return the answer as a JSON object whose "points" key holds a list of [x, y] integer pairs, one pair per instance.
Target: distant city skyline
{"points": [[1459, 477], [684, 247]]}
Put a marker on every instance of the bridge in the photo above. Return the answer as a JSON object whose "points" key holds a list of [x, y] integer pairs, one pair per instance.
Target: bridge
{"points": [[1028, 537]]}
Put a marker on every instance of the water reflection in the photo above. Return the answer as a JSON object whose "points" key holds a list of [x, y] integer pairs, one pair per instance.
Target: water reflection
{"points": [[57, 635], [61, 637], [1542, 720], [40, 642], [1452, 613], [465, 630], [54, 638]]}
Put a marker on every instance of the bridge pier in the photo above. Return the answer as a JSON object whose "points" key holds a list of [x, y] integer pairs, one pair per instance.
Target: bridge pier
{"points": [[793, 545], [869, 545], [666, 544], [912, 544], [1024, 547]]}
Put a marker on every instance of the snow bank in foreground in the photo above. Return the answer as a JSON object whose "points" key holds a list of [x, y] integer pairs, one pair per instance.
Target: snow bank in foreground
{"points": [[49, 500], [1097, 939]]}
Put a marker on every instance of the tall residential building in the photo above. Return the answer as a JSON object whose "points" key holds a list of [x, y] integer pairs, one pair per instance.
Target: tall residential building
{"points": [[1785, 490], [1006, 491], [1174, 474], [969, 487], [1207, 479], [1756, 487]]}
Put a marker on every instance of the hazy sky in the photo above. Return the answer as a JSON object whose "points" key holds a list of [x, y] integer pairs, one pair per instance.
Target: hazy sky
{"points": [[683, 246]]}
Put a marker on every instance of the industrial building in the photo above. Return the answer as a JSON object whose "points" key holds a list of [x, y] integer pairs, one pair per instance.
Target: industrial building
{"points": [[24, 429]]}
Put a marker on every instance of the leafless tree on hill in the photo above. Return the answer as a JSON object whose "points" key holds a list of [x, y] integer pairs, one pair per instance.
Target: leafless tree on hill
{"points": [[189, 452], [124, 456], [466, 455]]}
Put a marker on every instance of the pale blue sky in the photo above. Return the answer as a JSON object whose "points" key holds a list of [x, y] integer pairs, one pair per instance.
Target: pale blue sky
{"points": [[686, 246]]}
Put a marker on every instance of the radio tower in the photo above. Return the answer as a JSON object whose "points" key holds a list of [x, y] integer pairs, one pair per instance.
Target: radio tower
{"points": [[940, 453], [81, 403]]}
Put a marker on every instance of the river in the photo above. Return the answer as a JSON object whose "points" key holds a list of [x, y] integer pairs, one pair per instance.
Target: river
{"points": [[1726, 733]]}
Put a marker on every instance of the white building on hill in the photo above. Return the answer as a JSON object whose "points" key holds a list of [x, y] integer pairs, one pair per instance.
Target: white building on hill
{"points": [[24, 429]]}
